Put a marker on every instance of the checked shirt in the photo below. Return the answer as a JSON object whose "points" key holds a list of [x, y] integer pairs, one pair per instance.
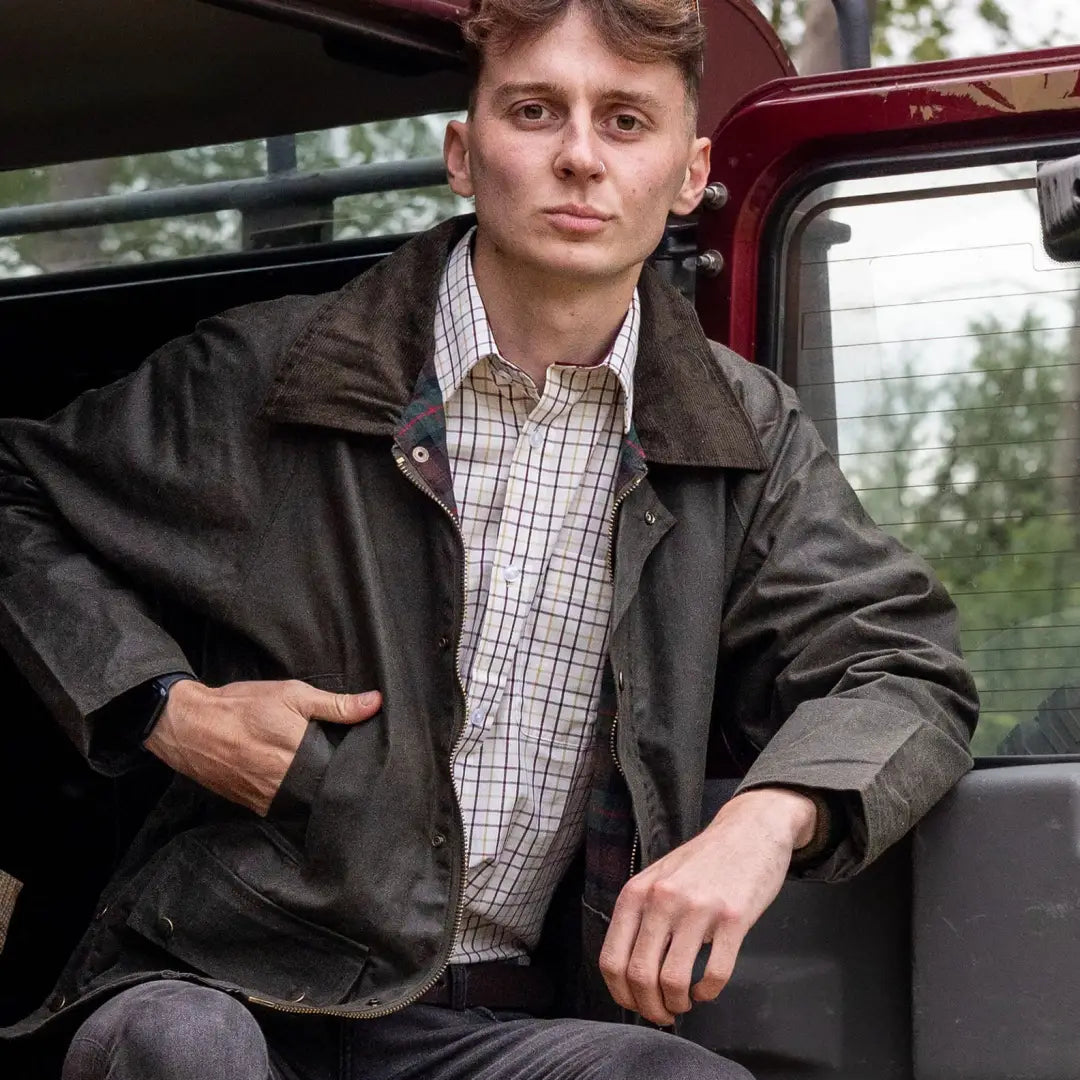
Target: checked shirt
{"points": [[533, 480]]}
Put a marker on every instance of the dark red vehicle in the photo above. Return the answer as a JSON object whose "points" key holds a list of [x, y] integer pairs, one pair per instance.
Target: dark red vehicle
{"points": [[882, 238]]}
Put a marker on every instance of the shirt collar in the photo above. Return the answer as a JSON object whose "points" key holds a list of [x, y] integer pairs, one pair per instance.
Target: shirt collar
{"points": [[463, 334]]}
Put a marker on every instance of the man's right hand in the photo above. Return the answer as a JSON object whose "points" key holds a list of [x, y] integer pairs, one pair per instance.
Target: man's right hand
{"points": [[239, 740]]}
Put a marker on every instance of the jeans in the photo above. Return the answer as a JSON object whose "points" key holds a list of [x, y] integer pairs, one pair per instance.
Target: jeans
{"points": [[171, 1030]]}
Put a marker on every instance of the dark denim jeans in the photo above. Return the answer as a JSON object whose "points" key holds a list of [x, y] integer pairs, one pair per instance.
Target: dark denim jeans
{"points": [[179, 1031]]}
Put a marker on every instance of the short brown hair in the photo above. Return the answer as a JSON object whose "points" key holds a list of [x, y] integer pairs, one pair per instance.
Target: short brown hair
{"points": [[644, 31]]}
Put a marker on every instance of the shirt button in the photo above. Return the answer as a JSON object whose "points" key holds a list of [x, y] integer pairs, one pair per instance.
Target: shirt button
{"points": [[511, 573], [476, 717], [536, 437]]}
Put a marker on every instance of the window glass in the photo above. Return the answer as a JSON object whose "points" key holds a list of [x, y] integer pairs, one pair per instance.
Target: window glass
{"points": [[175, 232], [937, 347]]}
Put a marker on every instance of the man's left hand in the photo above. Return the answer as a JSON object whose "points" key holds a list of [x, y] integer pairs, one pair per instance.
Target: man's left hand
{"points": [[710, 890]]}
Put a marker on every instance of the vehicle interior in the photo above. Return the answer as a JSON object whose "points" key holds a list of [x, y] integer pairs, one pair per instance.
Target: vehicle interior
{"points": [[193, 155]]}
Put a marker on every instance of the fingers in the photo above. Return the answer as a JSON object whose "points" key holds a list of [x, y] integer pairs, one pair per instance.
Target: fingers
{"points": [[719, 968], [619, 943], [667, 913], [643, 969], [649, 951], [676, 971], [652, 975], [336, 708]]}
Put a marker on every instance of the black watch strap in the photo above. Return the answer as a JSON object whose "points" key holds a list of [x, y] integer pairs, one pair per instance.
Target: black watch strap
{"points": [[158, 695]]}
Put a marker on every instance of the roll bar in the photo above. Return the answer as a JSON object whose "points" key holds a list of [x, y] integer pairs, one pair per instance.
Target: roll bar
{"points": [[856, 28]]}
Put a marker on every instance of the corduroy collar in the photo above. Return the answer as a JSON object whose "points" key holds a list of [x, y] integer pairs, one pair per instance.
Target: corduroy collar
{"points": [[355, 365]]}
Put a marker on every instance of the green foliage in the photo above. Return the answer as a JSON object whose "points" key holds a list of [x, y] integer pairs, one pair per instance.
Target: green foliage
{"points": [[991, 508], [176, 237], [904, 30]]}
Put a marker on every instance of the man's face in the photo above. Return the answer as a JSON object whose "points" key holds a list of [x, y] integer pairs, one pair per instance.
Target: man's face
{"points": [[576, 155]]}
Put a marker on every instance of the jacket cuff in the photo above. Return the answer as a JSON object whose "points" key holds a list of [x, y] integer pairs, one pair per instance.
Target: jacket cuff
{"points": [[119, 728], [829, 829]]}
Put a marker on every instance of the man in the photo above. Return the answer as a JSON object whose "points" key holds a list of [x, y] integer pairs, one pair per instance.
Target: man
{"points": [[429, 586]]}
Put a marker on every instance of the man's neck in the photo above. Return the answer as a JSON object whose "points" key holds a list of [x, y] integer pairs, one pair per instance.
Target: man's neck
{"points": [[538, 320]]}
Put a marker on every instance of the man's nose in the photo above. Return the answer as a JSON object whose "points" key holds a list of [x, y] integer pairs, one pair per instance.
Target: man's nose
{"points": [[579, 155]]}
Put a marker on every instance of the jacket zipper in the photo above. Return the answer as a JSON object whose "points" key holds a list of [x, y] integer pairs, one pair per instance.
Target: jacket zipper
{"points": [[459, 913], [619, 500]]}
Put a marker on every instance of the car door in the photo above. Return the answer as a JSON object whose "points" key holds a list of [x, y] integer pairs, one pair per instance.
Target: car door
{"points": [[876, 241]]}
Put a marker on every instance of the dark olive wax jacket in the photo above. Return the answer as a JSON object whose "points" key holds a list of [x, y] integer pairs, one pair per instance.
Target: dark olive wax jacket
{"points": [[247, 505]]}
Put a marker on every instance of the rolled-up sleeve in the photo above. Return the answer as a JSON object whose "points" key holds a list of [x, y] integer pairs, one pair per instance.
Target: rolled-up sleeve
{"points": [[854, 644]]}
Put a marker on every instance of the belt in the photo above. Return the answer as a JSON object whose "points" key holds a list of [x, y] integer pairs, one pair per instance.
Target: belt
{"points": [[496, 984]]}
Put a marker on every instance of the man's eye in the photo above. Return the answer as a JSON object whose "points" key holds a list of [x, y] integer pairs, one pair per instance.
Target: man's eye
{"points": [[627, 122], [532, 112]]}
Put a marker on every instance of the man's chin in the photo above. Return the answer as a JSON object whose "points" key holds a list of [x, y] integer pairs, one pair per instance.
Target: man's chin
{"points": [[582, 260]]}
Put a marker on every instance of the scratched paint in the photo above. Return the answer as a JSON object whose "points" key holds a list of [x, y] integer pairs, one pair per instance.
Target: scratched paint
{"points": [[1038, 92], [927, 112]]}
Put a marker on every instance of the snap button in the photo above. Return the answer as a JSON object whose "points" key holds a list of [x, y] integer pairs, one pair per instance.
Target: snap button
{"points": [[437, 839], [372, 1002], [420, 454], [165, 926], [296, 996], [57, 1002], [103, 912], [621, 680], [444, 641], [650, 518]]}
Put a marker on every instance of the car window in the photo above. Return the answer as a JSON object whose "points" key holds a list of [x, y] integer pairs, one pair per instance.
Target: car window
{"points": [[165, 205], [937, 348]]}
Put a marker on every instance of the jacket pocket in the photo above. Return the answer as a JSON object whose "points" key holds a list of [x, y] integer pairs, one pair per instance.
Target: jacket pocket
{"points": [[291, 806], [200, 912], [301, 781]]}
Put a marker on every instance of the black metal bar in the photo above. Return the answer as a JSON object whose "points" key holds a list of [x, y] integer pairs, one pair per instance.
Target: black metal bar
{"points": [[856, 31], [281, 154], [243, 195]]}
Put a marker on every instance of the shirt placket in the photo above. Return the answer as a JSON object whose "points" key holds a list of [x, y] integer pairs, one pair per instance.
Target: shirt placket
{"points": [[537, 502], [538, 688]]}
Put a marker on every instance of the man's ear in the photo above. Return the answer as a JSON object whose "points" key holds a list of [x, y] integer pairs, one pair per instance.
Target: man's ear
{"points": [[456, 156], [697, 176]]}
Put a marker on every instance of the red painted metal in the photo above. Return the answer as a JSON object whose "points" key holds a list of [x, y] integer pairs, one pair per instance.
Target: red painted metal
{"points": [[742, 52], [792, 125], [431, 9]]}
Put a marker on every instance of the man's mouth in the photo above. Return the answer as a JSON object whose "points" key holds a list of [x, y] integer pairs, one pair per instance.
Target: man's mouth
{"points": [[577, 218]]}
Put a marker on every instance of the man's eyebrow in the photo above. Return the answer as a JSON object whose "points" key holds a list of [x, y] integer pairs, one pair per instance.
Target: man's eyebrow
{"points": [[624, 96], [508, 91], [640, 98]]}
